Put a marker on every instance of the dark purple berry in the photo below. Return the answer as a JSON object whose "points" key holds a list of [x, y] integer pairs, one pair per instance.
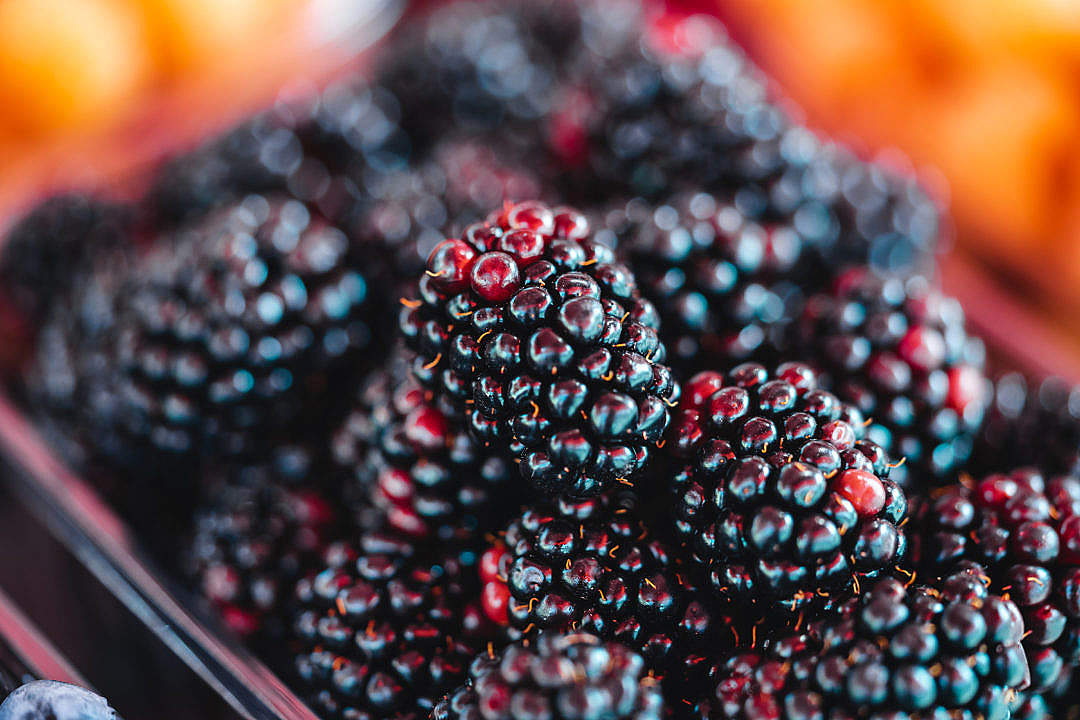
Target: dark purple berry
{"points": [[776, 496], [551, 348]]}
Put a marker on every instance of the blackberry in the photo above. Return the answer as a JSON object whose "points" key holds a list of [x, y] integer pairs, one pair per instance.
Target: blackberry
{"points": [[480, 68], [550, 341], [384, 630], [559, 677], [724, 285], [954, 646], [72, 390], [591, 564], [1020, 534], [49, 249], [55, 700], [1030, 424], [665, 105], [894, 651], [776, 492], [261, 528], [414, 462], [623, 101], [226, 335], [898, 350], [655, 117]]}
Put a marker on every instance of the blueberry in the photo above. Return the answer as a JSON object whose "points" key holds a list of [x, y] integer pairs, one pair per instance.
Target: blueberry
{"points": [[56, 701]]}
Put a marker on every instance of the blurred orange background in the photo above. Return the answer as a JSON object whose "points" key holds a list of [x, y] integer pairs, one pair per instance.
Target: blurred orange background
{"points": [[94, 90], [982, 95]]}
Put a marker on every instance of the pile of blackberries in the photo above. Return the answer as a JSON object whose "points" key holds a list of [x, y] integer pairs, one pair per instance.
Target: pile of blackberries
{"points": [[556, 372]]}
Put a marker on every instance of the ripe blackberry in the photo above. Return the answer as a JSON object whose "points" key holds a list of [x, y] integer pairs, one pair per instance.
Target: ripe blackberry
{"points": [[72, 389], [776, 493], [1020, 534], [898, 350], [50, 248], [953, 645], [413, 461], [260, 530], [482, 68], [384, 631], [1031, 424], [226, 335], [591, 564], [547, 340], [626, 101], [655, 115], [558, 677], [662, 104], [891, 652], [725, 286]]}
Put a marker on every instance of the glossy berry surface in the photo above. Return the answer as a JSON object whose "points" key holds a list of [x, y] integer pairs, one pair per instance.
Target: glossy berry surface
{"points": [[899, 351], [544, 337], [592, 565], [933, 651], [915, 649], [224, 338], [1019, 533], [412, 460], [661, 103], [384, 629], [557, 677], [776, 493], [726, 288]]}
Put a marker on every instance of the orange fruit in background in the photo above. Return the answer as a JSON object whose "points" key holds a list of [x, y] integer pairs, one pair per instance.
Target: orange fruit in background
{"points": [[1067, 278], [1005, 137], [67, 63], [1039, 28], [832, 56], [192, 33]]}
